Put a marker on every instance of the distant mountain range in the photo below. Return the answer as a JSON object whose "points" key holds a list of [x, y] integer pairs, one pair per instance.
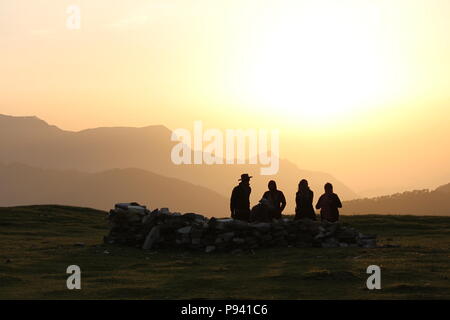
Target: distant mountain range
{"points": [[107, 153], [418, 202], [25, 185]]}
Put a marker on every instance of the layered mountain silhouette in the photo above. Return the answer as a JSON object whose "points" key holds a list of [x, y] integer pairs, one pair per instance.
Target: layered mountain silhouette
{"points": [[33, 142], [25, 185], [417, 202]]}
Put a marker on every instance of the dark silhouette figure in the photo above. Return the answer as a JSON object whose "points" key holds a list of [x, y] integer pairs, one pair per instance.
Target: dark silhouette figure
{"points": [[240, 199], [304, 202], [275, 200], [328, 204], [260, 212]]}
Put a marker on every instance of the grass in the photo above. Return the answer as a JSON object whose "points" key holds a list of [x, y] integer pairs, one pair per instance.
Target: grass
{"points": [[38, 243]]}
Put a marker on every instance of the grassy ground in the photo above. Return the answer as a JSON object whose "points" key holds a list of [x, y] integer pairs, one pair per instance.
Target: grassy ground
{"points": [[37, 244]]}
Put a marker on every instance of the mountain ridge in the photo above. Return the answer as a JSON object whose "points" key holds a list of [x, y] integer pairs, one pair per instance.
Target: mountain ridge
{"points": [[415, 202], [27, 185], [149, 148]]}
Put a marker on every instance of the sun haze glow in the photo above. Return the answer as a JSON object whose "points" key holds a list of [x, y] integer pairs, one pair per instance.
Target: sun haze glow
{"points": [[321, 61], [365, 83]]}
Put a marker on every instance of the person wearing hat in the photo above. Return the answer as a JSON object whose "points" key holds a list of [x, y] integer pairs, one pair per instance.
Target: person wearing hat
{"points": [[240, 199]]}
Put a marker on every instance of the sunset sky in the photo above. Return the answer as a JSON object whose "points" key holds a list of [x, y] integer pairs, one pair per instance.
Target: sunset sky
{"points": [[358, 88]]}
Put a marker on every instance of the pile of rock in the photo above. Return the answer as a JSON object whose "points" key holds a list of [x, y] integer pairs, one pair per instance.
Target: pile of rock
{"points": [[135, 225]]}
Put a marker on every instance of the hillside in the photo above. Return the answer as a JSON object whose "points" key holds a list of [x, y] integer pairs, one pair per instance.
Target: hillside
{"points": [[40, 242], [444, 189], [417, 202], [25, 185], [33, 142]]}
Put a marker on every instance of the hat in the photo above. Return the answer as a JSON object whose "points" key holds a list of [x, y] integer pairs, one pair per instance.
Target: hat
{"points": [[245, 177]]}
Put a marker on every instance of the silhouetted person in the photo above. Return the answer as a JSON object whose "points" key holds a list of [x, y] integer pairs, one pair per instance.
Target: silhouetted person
{"points": [[276, 200], [328, 204], [240, 199], [260, 212], [304, 202]]}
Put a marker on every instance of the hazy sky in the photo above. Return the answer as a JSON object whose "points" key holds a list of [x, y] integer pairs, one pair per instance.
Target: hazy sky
{"points": [[358, 88]]}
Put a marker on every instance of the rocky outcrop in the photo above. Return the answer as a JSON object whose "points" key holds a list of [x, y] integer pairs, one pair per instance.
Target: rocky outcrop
{"points": [[135, 225]]}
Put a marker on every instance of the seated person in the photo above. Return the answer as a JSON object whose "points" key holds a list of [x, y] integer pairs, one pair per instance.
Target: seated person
{"points": [[328, 204], [304, 202], [276, 200], [260, 212]]}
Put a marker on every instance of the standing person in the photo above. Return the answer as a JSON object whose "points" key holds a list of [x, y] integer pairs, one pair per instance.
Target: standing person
{"points": [[276, 200], [304, 202], [240, 199], [328, 204]]}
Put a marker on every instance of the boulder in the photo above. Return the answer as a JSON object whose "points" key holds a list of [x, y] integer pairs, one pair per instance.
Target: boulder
{"points": [[262, 226], [210, 249], [151, 238], [185, 230]]}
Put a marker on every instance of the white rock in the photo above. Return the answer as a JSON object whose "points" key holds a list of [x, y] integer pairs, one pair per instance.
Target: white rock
{"points": [[151, 239], [239, 240], [185, 230], [210, 249], [164, 211]]}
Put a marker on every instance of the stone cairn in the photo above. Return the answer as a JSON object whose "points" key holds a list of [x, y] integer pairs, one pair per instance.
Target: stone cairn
{"points": [[135, 225]]}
